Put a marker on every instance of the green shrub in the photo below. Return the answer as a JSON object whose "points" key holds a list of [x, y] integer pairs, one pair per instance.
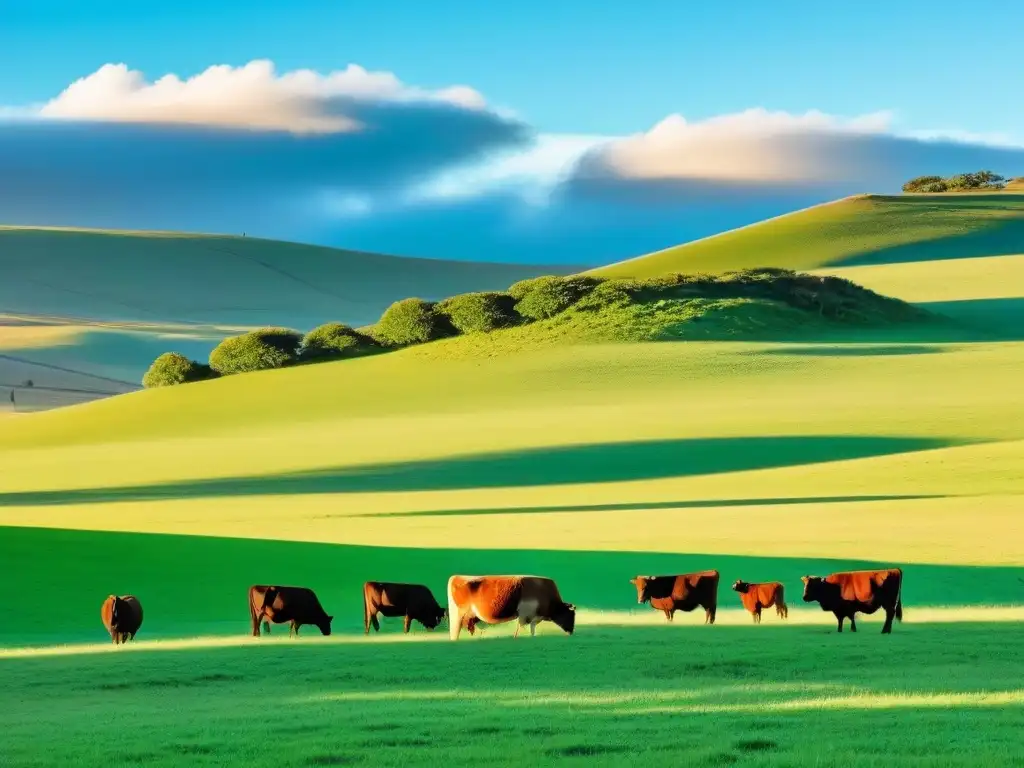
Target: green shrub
{"points": [[543, 297], [412, 321], [479, 312], [333, 341], [258, 350], [919, 184], [171, 368], [962, 181]]}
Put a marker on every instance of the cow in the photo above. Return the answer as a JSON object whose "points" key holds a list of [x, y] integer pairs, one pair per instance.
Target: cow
{"points": [[850, 592], [497, 599], [756, 597], [122, 616], [411, 601], [298, 605], [680, 593]]}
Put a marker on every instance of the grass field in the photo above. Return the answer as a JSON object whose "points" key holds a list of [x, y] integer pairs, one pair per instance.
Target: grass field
{"points": [[589, 463]]}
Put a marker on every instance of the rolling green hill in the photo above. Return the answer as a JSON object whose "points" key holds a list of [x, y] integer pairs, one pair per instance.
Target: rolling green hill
{"points": [[866, 229], [526, 450], [101, 305]]}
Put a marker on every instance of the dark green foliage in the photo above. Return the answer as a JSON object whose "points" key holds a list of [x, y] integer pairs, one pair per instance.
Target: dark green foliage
{"points": [[171, 368], [544, 297], [259, 350], [412, 321], [333, 341], [961, 182], [479, 312], [832, 298]]}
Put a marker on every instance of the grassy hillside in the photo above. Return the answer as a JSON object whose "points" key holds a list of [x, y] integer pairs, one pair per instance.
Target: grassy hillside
{"points": [[589, 463], [106, 303], [867, 229]]}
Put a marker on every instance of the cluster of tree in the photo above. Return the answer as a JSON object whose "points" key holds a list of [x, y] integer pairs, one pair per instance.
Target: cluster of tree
{"points": [[415, 321], [406, 322], [959, 183]]}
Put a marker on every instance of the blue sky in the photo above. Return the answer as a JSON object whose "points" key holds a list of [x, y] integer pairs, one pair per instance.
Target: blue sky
{"points": [[570, 66], [749, 109]]}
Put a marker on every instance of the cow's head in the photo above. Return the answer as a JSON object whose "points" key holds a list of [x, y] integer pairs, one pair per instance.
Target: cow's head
{"points": [[565, 617], [741, 586], [643, 588], [325, 625], [433, 619], [813, 588]]}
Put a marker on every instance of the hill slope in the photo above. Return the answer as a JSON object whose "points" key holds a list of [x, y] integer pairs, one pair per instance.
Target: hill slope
{"points": [[867, 229], [105, 303]]}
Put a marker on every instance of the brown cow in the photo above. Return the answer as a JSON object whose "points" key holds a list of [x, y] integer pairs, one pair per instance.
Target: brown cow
{"points": [[756, 597], [497, 599], [298, 605], [411, 601], [850, 592], [680, 593], [122, 616]]}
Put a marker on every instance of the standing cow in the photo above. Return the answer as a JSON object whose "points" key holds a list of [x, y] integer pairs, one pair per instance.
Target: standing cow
{"points": [[497, 599], [122, 616], [680, 593], [298, 605], [414, 602], [850, 592], [756, 597]]}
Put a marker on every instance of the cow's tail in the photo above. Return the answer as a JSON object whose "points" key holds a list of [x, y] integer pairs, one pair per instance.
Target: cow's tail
{"points": [[899, 596], [366, 609]]}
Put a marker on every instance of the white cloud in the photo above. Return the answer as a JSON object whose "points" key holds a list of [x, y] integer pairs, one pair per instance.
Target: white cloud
{"points": [[253, 96], [532, 172], [755, 145]]}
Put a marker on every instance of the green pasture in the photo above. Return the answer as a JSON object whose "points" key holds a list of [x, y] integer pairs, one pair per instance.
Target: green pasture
{"points": [[198, 586], [928, 695]]}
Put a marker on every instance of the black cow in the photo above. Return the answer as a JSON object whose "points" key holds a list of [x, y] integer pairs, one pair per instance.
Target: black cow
{"points": [[414, 602], [298, 605]]}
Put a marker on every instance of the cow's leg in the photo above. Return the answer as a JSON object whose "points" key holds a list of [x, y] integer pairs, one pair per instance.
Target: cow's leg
{"points": [[839, 616], [533, 628], [668, 613], [853, 623], [408, 623], [519, 625], [256, 625], [471, 624], [757, 614], [887, 627], [709, 614], [455, 622]]}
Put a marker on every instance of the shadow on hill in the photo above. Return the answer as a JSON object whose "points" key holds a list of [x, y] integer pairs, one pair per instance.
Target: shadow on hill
{"points": [[197, 585], [646, 505], [596, 463], [1003, 236], [1000, 319]]}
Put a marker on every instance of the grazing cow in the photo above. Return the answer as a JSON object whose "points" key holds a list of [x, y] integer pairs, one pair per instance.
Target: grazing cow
{"points": [[497, 599], [122, 616], [411, 601], [850, 592], [756, 597], [680, 593], [298, 605]]}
